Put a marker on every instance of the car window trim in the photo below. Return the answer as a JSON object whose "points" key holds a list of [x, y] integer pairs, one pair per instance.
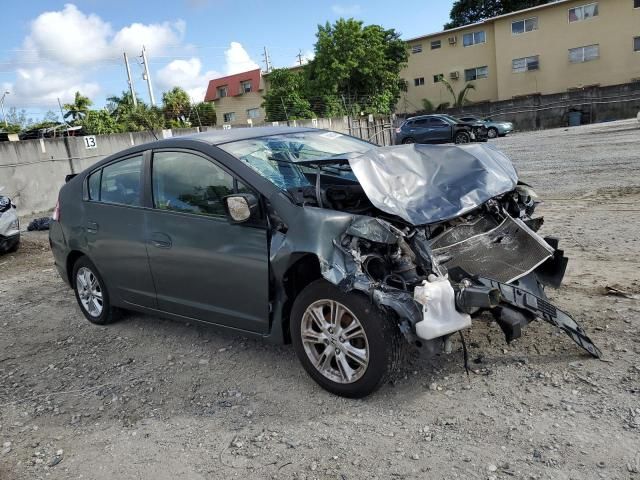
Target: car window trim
{"points": [[260, 222], [85, 183]]}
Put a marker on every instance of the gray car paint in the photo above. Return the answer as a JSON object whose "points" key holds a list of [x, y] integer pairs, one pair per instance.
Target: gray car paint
{"points": [[298, 233]]}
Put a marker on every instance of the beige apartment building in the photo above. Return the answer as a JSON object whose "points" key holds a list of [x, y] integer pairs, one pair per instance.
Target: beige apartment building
{"points": [[560, 46]]}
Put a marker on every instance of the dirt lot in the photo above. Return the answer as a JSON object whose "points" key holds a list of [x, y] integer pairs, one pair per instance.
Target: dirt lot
{"points": [[150, 398]]}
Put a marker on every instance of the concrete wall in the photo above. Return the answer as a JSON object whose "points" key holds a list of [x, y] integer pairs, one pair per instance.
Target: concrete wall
{"points": [[32, 171], [597, 104]]}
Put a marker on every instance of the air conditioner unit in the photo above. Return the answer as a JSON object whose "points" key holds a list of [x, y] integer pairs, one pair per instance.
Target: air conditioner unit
{"points": [[454, 75], [453, 40]]}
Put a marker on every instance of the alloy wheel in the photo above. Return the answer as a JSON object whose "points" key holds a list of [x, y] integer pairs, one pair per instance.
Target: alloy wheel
{"points": [[492, 133], [335, 341], [89, 291], [462, 138]]}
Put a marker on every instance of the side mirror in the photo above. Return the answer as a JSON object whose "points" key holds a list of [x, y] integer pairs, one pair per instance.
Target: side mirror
{"points": [[241, 207]]}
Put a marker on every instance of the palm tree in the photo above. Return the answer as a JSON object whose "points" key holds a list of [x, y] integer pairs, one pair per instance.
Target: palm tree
{"points": [[460, 99], [79, 108]]}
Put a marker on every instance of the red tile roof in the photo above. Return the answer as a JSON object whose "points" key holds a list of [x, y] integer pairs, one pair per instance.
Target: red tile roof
{"points": [[232, 82]]}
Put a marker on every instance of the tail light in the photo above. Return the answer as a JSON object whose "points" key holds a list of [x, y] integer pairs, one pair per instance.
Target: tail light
{"points": [[56, 212]]}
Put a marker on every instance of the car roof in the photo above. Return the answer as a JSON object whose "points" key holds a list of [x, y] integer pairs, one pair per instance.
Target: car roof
{"points": [[434, 115], [218, 137]]}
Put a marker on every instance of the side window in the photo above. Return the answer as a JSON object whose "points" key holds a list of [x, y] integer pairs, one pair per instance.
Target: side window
{"points": [[120, 182], [421, 122], [94, 185], [436, 122], [185, 182]]}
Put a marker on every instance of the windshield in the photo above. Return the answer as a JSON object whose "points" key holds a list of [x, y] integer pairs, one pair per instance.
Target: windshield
{"points": [[275, 156], [449, 118]]}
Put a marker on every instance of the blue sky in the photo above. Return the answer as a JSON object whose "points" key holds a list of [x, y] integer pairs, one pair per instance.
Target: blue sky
{"points": [[51, 48]]}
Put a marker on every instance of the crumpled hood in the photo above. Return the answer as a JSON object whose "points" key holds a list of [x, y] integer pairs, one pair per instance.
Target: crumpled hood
{"points": [[431, 183]]}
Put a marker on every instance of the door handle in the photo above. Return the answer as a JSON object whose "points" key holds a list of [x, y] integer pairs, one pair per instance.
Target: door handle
{"points": [[160, 240], [92, 227]]}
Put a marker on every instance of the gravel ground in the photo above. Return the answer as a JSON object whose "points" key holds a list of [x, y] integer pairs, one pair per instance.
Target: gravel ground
{"points": [[150, 398]]}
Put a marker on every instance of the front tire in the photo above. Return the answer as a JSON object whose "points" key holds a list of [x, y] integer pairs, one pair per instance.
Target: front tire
{"points": [[347, 345], [492, 132], [92, 294], [408, 140], [461, 138]]}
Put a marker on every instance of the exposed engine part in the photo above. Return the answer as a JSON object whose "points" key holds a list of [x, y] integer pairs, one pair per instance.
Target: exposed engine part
{"points": [[471, 298], [511, 321]]}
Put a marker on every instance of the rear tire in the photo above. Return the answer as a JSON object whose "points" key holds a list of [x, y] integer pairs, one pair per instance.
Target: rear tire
{"points": [[92, 294], [346, 344], [408, 140]]}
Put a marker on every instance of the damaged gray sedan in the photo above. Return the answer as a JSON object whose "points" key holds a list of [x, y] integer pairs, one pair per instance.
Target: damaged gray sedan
{"points": [[349, 251]]}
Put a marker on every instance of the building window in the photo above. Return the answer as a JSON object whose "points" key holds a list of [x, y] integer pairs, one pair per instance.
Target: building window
{"points": [[636, 44], [636, 3], [437, 78], [583, 12], [436, 44], [229, 117], [584, 54], [522, 26], [253, 113], [476, 73], [474, 38], [525, 64], [222, 92], [245, 87], [416, 48], [418, 81]]}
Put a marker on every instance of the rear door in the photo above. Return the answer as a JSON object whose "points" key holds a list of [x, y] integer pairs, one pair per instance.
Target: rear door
{"points": [[203, 266], [115, 230], [439, 130], [422, 133]]}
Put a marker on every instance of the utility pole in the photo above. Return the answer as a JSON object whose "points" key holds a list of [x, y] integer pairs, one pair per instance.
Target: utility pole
{"points": [[62, 112], [130, 81], [299, 55], [146, 76], [6, 124], [267, 60]]}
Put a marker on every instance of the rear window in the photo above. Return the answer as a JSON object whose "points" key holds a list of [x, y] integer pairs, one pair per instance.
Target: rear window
{"points": [[120, 183]]}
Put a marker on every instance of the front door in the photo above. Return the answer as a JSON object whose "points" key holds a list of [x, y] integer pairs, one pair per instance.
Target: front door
{"points": [[204, 266], [440, 131]]}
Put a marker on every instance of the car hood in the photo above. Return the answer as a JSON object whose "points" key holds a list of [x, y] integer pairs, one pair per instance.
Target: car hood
{"points": [[425, 184]]}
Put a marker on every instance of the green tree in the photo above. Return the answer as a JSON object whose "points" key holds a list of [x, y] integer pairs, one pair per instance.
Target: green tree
{"points": [[357, 66], [78, 109], [176, 106], [285, 98], [203, 114], [465, 12], [99, 122], [130, 118], [460, 98]]}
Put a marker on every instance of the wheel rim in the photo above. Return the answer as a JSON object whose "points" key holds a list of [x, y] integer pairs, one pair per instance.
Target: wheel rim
{"points": [[492, 133], [335, 341], [462, 138], [408, 140], [89, 291]]}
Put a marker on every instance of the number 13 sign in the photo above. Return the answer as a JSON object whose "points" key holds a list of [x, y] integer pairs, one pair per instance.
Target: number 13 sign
{"points": [[90, 142]]}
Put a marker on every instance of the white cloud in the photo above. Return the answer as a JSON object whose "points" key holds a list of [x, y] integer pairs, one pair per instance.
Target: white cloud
{"points": [[63, 47], [155, 37], [68, 36], [41, 87], [238, 60], [346, 10], [188, 75]]}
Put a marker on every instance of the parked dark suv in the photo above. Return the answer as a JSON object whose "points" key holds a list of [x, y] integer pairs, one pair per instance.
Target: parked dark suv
{"points": [[347, 250], [440, 129]]}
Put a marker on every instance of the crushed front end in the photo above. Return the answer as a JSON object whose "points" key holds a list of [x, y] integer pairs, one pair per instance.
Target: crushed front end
{"points": [[456, 236]]}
